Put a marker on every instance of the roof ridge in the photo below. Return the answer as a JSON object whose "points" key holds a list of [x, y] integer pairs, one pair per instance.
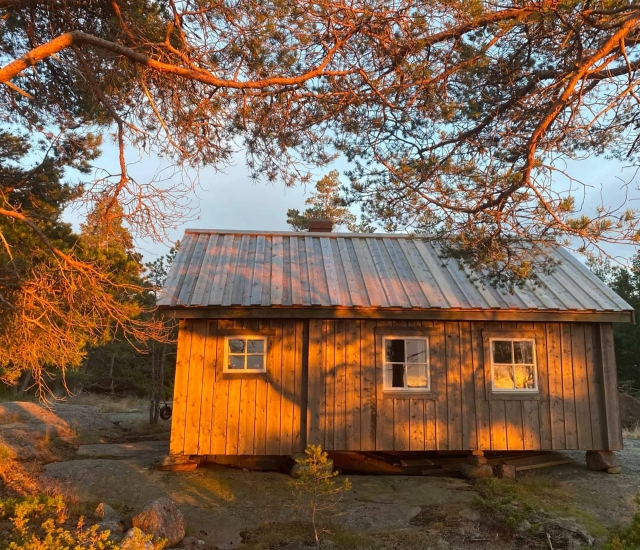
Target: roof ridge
{"points": [[334, 234]]}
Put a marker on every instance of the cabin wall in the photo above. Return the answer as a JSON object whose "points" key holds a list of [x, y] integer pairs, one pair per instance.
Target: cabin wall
{"points": [[324, 386], [218, 414], [577, 405]]}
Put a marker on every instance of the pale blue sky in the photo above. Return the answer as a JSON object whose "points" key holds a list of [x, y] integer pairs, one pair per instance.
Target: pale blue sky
{"points": [[231, 200]]}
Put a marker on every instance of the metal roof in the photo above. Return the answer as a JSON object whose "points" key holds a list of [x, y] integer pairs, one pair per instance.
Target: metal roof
{"points": [[236, 268]]}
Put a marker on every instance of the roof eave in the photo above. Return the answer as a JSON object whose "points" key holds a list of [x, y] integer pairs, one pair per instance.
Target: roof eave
{"points": [[319, 312]]}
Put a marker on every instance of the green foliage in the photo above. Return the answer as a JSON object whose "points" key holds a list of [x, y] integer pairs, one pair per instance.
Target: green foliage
{"points": [[626, 283], [40, 523], [327, 202], [626, 538], [316, 488], [531, 499]]}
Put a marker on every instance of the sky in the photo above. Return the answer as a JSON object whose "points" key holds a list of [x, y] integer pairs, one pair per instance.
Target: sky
{"points": [[231, 200]]}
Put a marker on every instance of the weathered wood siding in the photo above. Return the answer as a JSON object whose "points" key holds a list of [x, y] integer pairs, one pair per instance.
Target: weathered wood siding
{"points": [[218, 414], [576, 407], [324, 385]]}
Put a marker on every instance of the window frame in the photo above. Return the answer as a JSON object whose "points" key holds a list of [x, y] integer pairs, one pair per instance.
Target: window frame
{"points": [[512, 337], [245, 336], [404, 390]]}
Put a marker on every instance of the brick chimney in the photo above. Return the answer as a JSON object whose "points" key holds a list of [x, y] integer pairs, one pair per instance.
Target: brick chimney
{"points": [[320, 225]]}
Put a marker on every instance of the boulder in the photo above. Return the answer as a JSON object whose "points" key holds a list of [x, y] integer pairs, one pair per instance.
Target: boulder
{"points": [[109, 521], [505, 471], [162, 519], [601, 460], [105, 513], [475, 472], [476, 460], [135, 539]]}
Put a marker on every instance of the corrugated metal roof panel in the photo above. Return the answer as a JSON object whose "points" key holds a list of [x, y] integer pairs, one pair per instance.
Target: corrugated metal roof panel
{"points": [[227, 268]]}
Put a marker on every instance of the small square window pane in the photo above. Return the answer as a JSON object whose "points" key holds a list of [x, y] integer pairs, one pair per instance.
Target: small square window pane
{"points": [[523, 352], [394, 376], [524, 377], [236, 345], [255, 362], [417, 376], [416, 351], [236, 362], [502, 377], [394, 351], [255, 346], [502, 351]]}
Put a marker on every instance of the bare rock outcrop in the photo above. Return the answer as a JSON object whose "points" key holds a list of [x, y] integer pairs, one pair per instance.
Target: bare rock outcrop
{"points": [[162, 519]]}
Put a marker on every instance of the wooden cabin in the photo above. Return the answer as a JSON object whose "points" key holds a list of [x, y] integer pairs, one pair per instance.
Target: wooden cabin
{"points": [[364, 342]]}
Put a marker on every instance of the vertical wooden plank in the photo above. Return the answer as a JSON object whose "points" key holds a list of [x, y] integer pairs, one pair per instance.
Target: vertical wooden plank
{"points": [[498, 426], [260, 438], [288, 387], [340, 411], [483, 419], [315, 434], [275, 389], [384, 418], [568, 391], [583, 413], [247, 429], [401, 424], [544, 413], [233, 416], [179, 417], [354, 382], [439, 386], [429, 425], [417, 425], [329, 370], [468, 397], [194, 388], [531, 425], [299, 428], [368, 399], [454, 389], [340, 423], [208, 383], [554, 365], [515, 435], [220, 398], [594, 384], [613, 441]]}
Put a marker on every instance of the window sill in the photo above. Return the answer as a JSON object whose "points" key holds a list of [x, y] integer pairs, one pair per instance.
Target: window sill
{"points": [[244, 375], [386, 394], [513, 396]]}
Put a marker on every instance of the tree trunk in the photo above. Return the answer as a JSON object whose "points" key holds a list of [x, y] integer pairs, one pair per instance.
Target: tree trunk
{"points": [[154, 393], [25, 383], [113, 358]]}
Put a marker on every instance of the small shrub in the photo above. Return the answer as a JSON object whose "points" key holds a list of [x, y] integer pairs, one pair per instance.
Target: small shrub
{"points": [[626, 538], [39, 523], [316, 489]]}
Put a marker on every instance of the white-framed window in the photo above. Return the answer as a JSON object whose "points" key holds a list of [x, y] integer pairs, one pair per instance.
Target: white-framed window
{"points": [[406, 364], [245, 354], [513, 365]]}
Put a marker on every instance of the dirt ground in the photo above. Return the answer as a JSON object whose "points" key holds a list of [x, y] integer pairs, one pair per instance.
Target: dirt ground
{"points": [[92, 456]]}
